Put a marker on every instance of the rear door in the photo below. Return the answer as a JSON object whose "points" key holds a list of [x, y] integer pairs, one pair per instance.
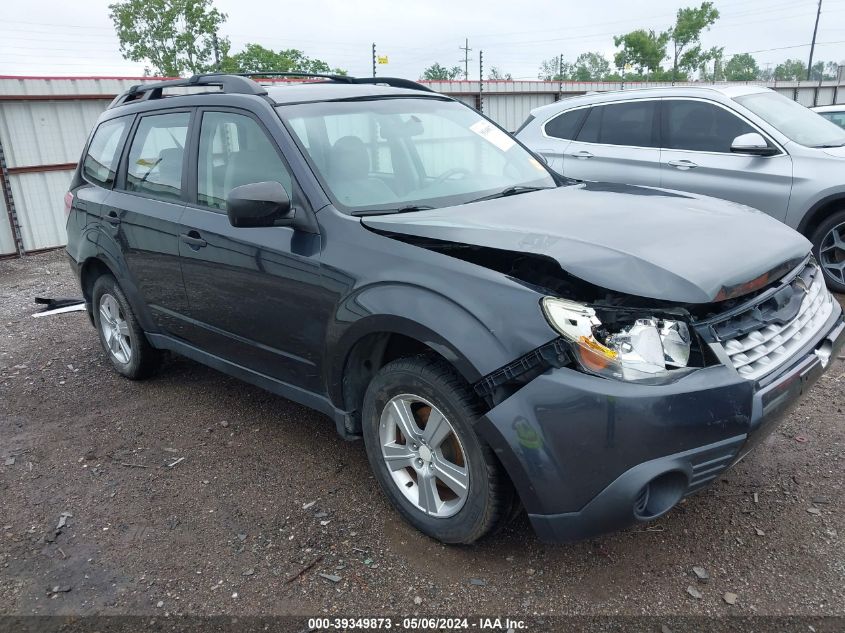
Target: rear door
{"points": [[555, 136], [696, 157], [617, 142], [143, 212], [99, 167], [256, 295]]}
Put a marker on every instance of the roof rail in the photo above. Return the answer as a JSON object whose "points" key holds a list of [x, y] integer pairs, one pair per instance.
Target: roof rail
{"points": [[241, 83], [231, 84], [394, 82]]}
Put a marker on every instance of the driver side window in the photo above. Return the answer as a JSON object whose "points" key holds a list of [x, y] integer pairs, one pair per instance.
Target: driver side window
{"points": [[234, 150]]}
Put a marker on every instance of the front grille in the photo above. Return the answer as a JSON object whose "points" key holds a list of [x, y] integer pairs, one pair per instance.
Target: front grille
{"points": [[768, 334]]}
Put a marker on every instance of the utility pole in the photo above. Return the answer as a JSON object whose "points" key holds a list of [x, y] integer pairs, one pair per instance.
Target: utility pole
{"points": [[813, 45], [216, 45], [560, 77], [466, 49], [374, 59], [481, 81]]}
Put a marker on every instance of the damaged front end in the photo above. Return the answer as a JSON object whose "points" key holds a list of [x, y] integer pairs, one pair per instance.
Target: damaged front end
{"points": [[602, 332]]}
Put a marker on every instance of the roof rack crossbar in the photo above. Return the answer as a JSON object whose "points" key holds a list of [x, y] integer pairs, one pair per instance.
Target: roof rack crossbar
{"points": [[231, 84]]}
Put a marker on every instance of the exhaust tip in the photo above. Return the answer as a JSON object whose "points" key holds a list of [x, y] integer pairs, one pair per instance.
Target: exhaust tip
{"points": [[660, 495]]}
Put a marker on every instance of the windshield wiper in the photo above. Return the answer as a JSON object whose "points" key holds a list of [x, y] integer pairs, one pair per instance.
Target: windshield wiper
{"points": [[828, 145], [510, 191], [406, 209]]}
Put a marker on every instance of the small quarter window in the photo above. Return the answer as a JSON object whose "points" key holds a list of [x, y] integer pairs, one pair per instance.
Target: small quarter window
{"points": [[566, 125], [100, 163]]}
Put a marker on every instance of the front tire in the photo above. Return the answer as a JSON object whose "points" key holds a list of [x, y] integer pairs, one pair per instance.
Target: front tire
{"points": [[418, 418], [829, 249], [121, 336]]}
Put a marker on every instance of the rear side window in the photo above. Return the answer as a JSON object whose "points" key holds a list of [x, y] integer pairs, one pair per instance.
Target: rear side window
{"points": [[235, 151], [566, 125], [100, 163], [700, 126], [156, 155], [629, 123]]}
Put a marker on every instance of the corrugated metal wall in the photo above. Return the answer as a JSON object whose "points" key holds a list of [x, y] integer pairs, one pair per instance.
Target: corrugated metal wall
{"points": [[43, 126], [44, 123], [7, 241]]}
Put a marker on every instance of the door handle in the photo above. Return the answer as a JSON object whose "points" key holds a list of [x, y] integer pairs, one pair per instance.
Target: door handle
{"points": [[193, 239], [683, 164], [583, 155], [112, 218]]}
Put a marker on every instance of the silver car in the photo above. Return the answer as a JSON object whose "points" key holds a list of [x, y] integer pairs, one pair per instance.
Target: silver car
{"points": [[835, 113], [747, 144]]}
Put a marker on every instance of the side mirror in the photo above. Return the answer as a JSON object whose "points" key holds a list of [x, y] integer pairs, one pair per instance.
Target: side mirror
{"points": [[259, 204], [752, 144]]}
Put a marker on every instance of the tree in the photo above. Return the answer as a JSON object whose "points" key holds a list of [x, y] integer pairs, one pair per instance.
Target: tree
{"points": [[591, 67], [552, 70], [791, 70], [174, 36], [641, 50], [254, 58], [437, 72], [742, 67], [685, 35], [824, 71], [495, 73]]}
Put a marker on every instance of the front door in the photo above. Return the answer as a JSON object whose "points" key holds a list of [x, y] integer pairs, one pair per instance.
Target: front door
{"points": [[696, 157], [255, 293]]}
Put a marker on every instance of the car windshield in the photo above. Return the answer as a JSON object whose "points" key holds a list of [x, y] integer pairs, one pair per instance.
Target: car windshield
{"points": [[793, 120], [403, 154]]}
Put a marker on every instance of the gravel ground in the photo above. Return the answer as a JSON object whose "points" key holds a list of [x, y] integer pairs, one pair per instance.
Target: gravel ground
{"points": [[266, 498]]}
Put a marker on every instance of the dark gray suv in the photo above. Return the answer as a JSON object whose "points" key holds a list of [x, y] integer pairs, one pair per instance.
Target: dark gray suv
{"points": [[499, 336]]}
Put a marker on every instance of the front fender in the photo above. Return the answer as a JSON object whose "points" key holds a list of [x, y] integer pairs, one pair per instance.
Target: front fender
{"points": [[419, 313]]}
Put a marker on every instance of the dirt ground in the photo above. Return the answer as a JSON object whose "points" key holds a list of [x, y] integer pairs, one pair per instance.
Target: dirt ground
{"points": [[194, 493]]}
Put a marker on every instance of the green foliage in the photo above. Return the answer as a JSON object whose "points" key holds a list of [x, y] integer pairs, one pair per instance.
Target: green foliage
{"points": [[685, 35], [496, 73], [824, 71], [550, 70], [590, 67], [173, 36], [742, 67], [438, 72], [642, 51], [791, 70], [254, 58]]}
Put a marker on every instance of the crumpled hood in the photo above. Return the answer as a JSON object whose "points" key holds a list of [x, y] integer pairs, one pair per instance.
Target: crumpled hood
{"points": [[640, 241]]}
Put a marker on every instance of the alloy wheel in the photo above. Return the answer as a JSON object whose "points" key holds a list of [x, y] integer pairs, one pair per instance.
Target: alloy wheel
{"points": [[115, 329], [424, 455], [832, 253]]}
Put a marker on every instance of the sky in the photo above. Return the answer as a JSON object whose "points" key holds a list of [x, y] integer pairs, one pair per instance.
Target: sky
{"points": [[61, 37]]}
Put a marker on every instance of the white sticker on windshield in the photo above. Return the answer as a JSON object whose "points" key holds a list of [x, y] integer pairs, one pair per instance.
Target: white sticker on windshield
{"points": [[492, 134]]}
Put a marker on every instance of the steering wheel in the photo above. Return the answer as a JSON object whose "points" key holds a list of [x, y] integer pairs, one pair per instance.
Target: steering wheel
{"points": [[449, 173]]}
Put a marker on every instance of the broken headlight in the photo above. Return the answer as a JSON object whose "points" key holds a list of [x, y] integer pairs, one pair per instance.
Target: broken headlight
{"points": [[640, 349]]}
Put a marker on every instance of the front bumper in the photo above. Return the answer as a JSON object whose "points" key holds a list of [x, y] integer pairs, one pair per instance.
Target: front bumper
{"points": [[590, 455]]}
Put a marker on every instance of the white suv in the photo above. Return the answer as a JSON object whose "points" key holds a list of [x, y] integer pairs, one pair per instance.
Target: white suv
{"points": [[747, 144]]}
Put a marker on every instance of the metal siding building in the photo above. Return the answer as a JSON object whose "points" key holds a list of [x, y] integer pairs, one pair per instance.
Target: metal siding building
{"points": [[44, 123]]}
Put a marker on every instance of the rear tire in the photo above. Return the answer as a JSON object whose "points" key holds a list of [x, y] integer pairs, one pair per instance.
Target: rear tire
{"points": [[418, 418], [829, 249], [121, 336]]}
